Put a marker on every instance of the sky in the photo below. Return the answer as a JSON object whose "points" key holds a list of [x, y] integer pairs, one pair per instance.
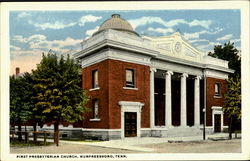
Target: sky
{"points": [[35, 32]]}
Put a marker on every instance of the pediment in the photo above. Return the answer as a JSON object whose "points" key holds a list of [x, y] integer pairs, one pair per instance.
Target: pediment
{"points": [[176, 45]]}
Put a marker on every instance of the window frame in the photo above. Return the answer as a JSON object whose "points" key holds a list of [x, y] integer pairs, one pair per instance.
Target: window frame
{"points": [[217, 93], [94, 103], [94, 79], [127, 83]]}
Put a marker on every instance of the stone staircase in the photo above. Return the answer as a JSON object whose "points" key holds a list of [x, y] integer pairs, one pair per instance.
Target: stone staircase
{"points": [[176, 132]]}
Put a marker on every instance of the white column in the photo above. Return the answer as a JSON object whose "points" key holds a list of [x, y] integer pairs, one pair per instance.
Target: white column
{"points": [[197, 101], [152, 97], [183, 100], [168, 101]]}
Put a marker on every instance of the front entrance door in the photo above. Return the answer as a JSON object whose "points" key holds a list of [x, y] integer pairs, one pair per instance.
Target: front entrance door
{"points": [[130, 124], [217, 123]]}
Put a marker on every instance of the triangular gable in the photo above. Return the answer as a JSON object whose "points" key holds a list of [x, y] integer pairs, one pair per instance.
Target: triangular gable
{"points": [[176, 45]]}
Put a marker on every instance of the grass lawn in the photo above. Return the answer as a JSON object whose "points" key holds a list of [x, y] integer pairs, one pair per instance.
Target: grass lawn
{"points": [[17, 143]]}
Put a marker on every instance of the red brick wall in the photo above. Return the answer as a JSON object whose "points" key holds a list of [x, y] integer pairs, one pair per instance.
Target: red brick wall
{"points": [[111, 75], [101, 94], [212, 100], [117, 93]]}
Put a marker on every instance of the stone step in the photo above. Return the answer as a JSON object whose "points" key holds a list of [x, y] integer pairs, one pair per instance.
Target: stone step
{"points": [[177, 132]]}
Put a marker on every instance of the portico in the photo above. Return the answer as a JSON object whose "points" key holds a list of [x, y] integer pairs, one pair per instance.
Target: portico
{"points": [[174, 108]]}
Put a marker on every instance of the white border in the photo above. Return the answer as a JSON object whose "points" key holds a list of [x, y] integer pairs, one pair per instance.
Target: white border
{"points": [[43, 6]]}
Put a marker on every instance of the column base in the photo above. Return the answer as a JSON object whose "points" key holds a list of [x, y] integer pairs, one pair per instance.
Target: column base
{"points": [[198, 125], [169, 126]]}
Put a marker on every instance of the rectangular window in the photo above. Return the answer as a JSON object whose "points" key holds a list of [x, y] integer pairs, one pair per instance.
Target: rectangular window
{"points": [[217, 89], [95, 79], [95, 109], [130, 78]]}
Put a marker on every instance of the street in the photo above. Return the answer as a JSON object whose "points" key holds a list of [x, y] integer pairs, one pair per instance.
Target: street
{"points": [[223, 146]]}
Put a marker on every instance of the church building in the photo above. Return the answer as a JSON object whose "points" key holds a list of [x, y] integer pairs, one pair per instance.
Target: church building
{"points": [[143, 86]]}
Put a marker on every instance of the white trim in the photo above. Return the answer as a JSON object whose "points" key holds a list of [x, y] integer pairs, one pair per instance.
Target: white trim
{"points": [[168, 98], [93, 89], [159, 128], [183, 100], [128, 106], [216, 74], [175, 67], [217, 96], [115, 54], [145, 129], [197, 101], [131, 88], [94, 119], [152, 97], [217, 110]]}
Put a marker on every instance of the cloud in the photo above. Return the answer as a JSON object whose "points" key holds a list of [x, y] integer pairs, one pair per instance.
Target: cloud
{"points": [[37, 37], [19, 38], [61, 25], [192, 35], [23, 15], [203, 23], [198, 40], [88, 18], [161, 30], [208, 47], [34, 38], [91, 31], [60, 46], [12, 47], [196, 35], [175, 22], [39, 41], [235, 40], [225, 37], [145, 21], [150, 20], [38, 44], [55, 25]]}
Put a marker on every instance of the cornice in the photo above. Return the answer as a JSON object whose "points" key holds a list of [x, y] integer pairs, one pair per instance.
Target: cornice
{"points": [[114, 44]]}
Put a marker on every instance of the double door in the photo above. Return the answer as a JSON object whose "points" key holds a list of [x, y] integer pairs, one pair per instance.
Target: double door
{"points": [[217, 123], [130, 124]]}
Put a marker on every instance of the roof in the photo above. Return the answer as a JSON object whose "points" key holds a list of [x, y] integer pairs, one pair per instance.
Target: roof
{"points": [[116, 23]]}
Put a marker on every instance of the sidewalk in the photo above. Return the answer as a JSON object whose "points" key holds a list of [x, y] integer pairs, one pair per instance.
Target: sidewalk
{"points": [[134, 143]]}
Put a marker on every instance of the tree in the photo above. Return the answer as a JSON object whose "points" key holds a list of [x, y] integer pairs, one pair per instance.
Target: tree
{"points": [[58, 94], [233, 101], [230, 53], [20, 103], [232, 104]]}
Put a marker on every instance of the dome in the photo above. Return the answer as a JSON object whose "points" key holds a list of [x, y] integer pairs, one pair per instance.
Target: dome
{"points": [[116, 23]]}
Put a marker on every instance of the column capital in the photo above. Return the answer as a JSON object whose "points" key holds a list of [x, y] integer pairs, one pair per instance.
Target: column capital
{"points": [[153, 69], [198, 77], [184, 75], [169, 72]]}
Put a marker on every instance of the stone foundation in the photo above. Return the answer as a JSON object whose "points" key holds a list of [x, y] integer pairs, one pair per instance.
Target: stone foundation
{"points": [[101, 135], [111, 134]]}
